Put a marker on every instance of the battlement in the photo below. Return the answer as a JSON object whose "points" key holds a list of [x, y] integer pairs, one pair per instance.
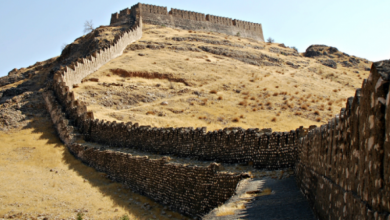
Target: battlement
{"points": [[153, 9], [190, 20], [187, 15]]}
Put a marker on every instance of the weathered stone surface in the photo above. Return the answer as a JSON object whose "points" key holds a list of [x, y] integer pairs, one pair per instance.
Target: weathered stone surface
{"points": [[353, 181], [329, 63]]}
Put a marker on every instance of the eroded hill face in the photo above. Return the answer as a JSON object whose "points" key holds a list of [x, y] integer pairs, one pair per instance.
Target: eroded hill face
{"points": [[178, 78]]}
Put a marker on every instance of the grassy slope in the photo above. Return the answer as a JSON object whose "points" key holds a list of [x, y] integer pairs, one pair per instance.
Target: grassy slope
{"points": [[282, 98], [40, 177]]}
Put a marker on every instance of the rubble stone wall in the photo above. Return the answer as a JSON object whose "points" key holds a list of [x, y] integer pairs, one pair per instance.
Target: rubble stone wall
{"points": [[190, 190], [344, 165]]}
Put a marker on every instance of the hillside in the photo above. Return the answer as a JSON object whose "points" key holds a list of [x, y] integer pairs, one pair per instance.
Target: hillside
{"points": [[178, 78], [169, 78]]}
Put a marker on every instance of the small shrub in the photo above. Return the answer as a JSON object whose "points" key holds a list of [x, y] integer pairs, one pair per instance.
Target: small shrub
{"points": [[253, 98], [298, 113], [125, 217], [220, 98], [238, 34], [245, 93], [330, 103], [318, 119], [334, 90], [304, 107], [150, 113], [243, 103], [275, 94], [273, 119], [276, 86], [268, 103], [317, 112], [241, 116], [213, 91], [80, 216], [236, 119], [270, 40]]}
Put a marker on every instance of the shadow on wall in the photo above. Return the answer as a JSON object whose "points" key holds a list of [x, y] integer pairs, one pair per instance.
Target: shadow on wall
{"points": [[121, 197]]}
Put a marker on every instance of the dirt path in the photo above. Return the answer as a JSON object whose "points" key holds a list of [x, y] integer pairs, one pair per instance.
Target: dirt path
{"points": [[284, 201]]}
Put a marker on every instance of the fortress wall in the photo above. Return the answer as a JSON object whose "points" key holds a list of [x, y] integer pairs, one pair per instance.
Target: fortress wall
{"points": [[66, 132], [75, 72], [190, 190], [203, 25], [188, 20], [233, 145], [145, 8], [343, 168]]}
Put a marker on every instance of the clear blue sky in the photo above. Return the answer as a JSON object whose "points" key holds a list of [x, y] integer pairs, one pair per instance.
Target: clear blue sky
{"points": [[34, 31]]}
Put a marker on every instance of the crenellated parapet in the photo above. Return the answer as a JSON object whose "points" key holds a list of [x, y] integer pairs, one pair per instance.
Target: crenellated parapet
{"points": [[159, 15], [154, 9], [187, 15]]}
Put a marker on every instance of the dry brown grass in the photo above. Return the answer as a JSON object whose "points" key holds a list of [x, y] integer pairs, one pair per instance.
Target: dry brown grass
{"points": [[226, 74], [38, 175], [243, 103]]}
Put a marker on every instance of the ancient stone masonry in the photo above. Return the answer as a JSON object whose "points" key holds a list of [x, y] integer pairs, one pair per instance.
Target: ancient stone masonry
{"points": [[344, 165], [190, 190], [231, 145], [187, 15], [189, 20]]}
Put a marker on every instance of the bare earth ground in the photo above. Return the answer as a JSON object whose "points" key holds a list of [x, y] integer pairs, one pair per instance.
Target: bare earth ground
{"points": [[40, 178], [203, 89]]}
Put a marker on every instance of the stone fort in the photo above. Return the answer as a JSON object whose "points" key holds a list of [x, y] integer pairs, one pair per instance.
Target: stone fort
{"points": [[189, 20], [342, 167]]}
